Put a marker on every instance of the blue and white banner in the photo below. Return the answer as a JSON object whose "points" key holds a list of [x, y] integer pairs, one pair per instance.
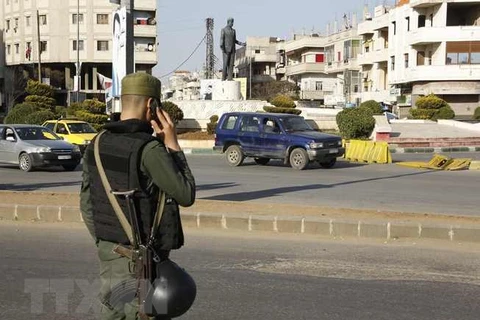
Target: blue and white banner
{"points": [[119, 57]]}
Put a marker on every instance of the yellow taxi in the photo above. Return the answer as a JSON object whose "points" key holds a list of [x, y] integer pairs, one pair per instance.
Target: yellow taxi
{"points": [[76, 132]]}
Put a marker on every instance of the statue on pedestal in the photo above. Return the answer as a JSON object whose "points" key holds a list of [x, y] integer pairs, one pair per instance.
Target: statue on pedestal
{"points": [[228, 42]]}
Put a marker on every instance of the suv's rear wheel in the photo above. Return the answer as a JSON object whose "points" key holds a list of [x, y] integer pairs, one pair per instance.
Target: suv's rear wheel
{"points": [[299, 159], [262, 161], [328, 164], [234, 156]]}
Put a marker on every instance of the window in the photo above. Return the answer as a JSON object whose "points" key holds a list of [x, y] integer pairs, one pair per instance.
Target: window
{"points": [[61, 129], [43, 46], [102, 45], [42, 19], [16, 23], [271, 126], [250, 124], [229, 123], [77, 18], [420, 58], [319, 58], [8, 49], [408, 23], [257, 51], [463, 52], [319, 85], [17, 48], [421, 21], [406, 60], [102, 18], [431, 20], [394, 27], [50, 125], [28, 51], [8, 25], [392, 63], [27, 21], [80, 45]]}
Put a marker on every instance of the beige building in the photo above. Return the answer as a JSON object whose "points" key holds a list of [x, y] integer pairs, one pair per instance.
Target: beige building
{"points": [[56, 39], [257, 61]]}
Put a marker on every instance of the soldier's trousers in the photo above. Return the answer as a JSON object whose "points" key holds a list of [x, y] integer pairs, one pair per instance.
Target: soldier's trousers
{"points": [[115, 269]]}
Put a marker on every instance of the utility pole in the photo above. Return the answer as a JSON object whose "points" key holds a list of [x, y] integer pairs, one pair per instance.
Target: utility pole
{"points": [[130, 56], [210, 57], [39, 49]]}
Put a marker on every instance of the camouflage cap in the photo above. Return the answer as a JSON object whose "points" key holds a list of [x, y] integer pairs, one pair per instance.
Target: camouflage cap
{"points": [[141, 84]]}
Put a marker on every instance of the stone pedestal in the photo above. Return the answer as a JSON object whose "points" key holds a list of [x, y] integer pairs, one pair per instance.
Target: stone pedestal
{"points": [[227, 91]]}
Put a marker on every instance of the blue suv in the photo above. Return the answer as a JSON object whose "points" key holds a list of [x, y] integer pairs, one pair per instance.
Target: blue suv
{"points": [[266, 136]]}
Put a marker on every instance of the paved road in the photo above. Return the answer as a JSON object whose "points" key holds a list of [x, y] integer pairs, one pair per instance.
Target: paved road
{"points": [[377, 187], [254, 277]]}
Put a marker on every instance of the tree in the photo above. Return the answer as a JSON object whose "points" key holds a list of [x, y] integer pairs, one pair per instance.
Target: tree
{"points": [[15, 85]]}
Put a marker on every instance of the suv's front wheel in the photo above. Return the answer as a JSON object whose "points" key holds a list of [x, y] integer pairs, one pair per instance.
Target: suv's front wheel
{"points": [[234, 156], [299, 159]]}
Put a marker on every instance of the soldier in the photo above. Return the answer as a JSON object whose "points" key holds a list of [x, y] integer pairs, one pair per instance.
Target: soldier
{"points": [[133, 159]]}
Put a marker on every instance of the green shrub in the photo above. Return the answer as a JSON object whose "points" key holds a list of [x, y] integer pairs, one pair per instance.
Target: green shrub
{"points": [[41, 101], [444, 113], [430, 102], [356, 123], [91, 118], [282, 110], [283, 101], [422, 114], [476, 114], [20, 113], [60, 112], [175, 113], [212, 125], [36, 88], [373, 105], [94, 106], [39, 117]]}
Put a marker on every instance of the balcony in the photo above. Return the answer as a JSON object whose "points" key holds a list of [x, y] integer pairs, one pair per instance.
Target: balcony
{"points": [[145, 4], [340, 66], [369, 26], [463, 72], [424, 3], [145, 30], [373, 57], [440, 34], [258, 57], [302, 68], [145, 57], [307, 42]]}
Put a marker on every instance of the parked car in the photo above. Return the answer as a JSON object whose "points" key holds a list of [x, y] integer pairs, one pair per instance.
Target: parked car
{"points": [[265, 136], [76, 132], [32, 146]]}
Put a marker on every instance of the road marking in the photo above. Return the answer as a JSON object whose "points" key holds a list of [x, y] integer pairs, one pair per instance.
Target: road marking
{"points": [[389, 230], [275, 224], [224, 222], [359, 229], [198, 220], [249, 223], [302, 228]]}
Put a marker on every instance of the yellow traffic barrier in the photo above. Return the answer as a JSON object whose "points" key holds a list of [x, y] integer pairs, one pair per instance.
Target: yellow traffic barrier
{"points": [[438, 162], [475, 165], [458, 164], [369, 152]]}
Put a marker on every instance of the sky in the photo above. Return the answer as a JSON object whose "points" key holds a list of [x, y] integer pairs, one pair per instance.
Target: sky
{"points": [[181, 24]]}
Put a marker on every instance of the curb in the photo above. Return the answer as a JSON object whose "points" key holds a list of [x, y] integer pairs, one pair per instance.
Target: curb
{"points": [[434, 150], [333, 228]]}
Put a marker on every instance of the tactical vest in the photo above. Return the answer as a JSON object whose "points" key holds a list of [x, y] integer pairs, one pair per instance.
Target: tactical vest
{"points": [[120, 152]]}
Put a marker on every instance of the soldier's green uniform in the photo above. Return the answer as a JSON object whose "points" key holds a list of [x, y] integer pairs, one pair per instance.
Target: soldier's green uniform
{"points": [[159, 169]]}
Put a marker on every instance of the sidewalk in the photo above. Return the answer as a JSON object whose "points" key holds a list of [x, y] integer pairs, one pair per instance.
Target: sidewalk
{"points": [[277, 218]]}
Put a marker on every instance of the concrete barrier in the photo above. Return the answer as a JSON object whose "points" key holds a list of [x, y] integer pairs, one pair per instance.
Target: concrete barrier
{"points": [[362, 229]]}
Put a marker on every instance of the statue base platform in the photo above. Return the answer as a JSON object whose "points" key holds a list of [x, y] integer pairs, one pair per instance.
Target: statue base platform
{"points": [[227, 91]]}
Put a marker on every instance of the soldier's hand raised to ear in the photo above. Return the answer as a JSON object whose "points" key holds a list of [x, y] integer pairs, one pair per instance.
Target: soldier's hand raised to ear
{"points": [[166, 130]]}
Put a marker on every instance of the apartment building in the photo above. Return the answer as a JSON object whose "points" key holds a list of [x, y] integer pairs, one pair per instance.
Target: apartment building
{"points": [[421, 47], [374, 57], [50, 27], [257, 61], [341, 51], [304, 64]]}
